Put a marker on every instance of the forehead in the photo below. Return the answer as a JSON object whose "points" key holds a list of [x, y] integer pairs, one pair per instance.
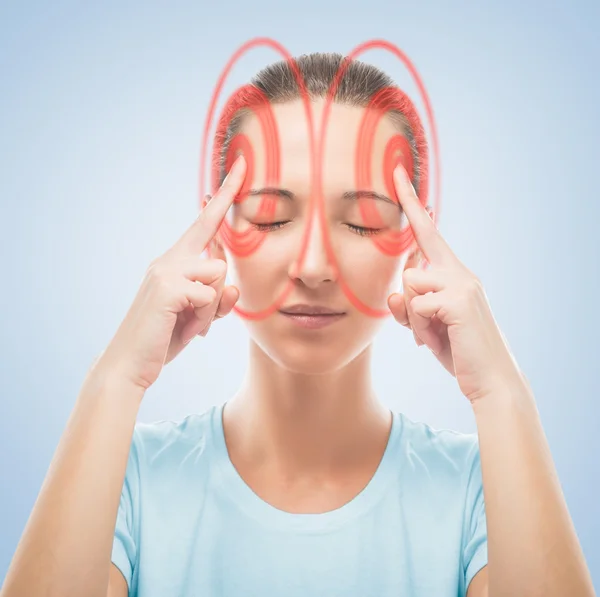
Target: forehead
{"points": [[293, 139]]}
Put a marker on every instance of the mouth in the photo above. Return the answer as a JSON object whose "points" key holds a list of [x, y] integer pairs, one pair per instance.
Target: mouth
{"points": [[312, 316]]}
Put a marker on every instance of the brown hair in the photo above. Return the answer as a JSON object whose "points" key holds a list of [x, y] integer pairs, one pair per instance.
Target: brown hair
{"points": [[277, 83]]}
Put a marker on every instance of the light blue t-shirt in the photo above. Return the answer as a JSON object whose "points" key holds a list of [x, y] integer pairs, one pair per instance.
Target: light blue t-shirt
{"points": [[188, 525]]}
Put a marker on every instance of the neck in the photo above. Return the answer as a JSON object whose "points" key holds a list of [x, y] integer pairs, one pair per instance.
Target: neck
{"points": [[303, 424]]}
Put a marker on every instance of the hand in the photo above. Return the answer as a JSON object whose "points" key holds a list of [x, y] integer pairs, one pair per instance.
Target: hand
{"points": [[446, 307], [181, 294]]}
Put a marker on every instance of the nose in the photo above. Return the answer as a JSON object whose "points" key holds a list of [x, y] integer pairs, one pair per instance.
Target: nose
{"points": [[316, 267]]}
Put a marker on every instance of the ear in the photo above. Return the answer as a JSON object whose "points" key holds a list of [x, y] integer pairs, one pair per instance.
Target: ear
{"points": [[215, 248]]}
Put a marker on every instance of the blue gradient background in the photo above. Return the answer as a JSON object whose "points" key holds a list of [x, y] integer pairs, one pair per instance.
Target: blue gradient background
{"points": [[101, 114]]}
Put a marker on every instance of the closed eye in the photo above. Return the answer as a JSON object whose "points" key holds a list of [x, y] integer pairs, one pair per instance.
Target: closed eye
{"points": [[360, 230], [270, 226], [363, 231]]}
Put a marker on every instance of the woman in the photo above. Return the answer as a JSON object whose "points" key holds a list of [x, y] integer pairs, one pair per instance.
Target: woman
{"points": [[304, 483]]}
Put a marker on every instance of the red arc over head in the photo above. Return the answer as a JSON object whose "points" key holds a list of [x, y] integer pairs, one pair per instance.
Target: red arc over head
{"points": [[397, 150]]}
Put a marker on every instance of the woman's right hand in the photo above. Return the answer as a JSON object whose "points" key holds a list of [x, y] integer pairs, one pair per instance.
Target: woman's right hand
{"points": [[180, 296]]}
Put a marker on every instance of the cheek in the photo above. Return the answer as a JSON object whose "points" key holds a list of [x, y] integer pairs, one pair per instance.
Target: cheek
{"points": [[370, 274], [259, 276]]}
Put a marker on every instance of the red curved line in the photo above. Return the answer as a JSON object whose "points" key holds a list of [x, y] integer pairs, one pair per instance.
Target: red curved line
{"points": [[306, 100], [319, 175]]}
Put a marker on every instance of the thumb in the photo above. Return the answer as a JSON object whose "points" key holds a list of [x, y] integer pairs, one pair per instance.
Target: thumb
{"points": [[229, 298], [396, 301], [398, 308]]}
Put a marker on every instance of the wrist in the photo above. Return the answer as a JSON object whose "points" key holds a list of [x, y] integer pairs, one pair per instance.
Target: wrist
{"points": [[103, 376], [511, 391]]}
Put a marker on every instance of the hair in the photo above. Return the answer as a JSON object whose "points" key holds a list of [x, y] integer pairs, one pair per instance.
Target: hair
{"points": [[360, 82]]}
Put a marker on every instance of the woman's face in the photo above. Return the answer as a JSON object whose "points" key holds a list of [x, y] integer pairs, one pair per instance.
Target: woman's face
{"points": [[263, 275]]}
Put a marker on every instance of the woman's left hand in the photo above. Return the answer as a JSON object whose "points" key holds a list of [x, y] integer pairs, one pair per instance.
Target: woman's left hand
{"points": [[447, 309]]}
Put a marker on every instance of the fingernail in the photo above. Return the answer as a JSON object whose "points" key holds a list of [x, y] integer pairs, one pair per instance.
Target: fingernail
{"points": [[234, 167], [237, 161], [401, 171], [228, 175]]}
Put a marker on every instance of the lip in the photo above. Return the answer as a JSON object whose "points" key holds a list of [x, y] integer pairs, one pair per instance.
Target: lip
{"points": [[312, 317], [304, 309], [313, 322]]}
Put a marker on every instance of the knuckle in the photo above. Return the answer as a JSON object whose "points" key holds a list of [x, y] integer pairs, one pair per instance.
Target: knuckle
{"points": [[414, 303], [205, 295], [408, 274], [216, 267], [163, 287], [220, 266], [160, 277], [157, 269], [211, 293], [472, 286]]}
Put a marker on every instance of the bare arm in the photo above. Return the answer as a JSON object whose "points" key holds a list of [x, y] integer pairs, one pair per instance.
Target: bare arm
{"points": [[533, 546], [66, 547], [117, 585]]}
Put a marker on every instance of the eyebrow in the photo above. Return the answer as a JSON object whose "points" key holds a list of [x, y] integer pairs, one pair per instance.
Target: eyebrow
{"points": [[349, 195]]}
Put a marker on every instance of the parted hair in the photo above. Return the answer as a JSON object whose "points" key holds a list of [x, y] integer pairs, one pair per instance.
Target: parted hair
{"points": [[277, 84]]}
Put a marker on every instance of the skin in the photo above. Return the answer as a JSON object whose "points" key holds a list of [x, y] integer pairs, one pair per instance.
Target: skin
{"points": [[295, 384], [64, 551], [283, 428]]}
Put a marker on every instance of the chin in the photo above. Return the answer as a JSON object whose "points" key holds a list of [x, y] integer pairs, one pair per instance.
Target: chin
{"points": [[309, 357], [309, 362]]}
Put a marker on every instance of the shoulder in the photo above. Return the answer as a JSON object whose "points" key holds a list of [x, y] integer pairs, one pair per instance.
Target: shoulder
{"points": [[442, 452], [165, 442]]}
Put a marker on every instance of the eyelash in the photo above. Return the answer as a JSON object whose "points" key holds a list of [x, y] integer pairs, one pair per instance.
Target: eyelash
{"points": [[360, 230]]}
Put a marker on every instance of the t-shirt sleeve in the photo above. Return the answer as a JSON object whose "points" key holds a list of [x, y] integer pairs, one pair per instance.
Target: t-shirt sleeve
{"points": [[475, 555], [124, 550]]}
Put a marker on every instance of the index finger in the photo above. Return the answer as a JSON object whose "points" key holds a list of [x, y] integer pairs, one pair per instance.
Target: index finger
{"points": [[201, 232], [430, 241]]}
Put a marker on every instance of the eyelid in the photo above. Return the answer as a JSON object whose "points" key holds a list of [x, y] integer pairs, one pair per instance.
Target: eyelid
{"points": [[363, 230], [360, 230], [265, 227]]}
